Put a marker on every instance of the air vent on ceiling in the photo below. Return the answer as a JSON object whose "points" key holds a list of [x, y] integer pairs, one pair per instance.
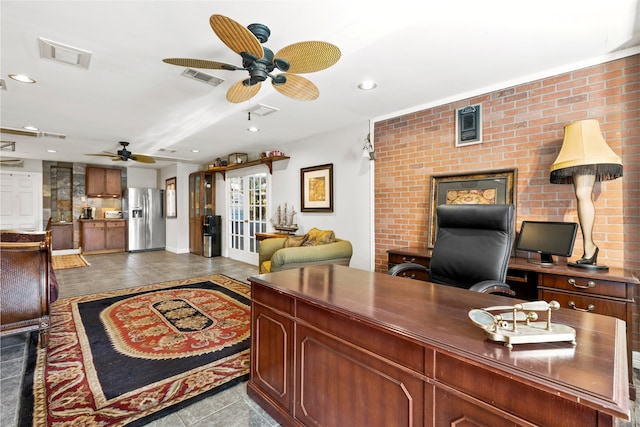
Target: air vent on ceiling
{"points": [[7, 145], [64, 53], [203, 77], [12, 163], [262, 110], [3, 84], [167, 150]]}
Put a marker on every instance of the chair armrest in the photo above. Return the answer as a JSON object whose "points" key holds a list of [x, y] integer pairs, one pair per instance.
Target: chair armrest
{"points": [[340, 250], [492, 287], [398, 269], [268, 247]]}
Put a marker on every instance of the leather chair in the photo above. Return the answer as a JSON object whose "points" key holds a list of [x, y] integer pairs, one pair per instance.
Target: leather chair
{"points": [[28, 284], [472, 248]]}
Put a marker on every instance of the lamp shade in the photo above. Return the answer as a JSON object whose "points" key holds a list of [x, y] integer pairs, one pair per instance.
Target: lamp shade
{"points": [[585, 152]]}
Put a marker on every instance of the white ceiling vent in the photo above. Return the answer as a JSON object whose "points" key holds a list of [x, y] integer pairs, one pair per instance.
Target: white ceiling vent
{"points": [[64, 53], [203, 77], [7, 145], [262, 110]]}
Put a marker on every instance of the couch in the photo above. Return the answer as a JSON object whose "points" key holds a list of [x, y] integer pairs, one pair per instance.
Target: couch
{"points": [[276, 254], [29, 284]]}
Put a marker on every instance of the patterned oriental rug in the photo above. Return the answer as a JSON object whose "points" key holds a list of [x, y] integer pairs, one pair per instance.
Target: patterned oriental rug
{"points": [[127, 357]]}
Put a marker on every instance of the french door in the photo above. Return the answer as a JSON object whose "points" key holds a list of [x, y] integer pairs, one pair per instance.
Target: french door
{"points": [[247, 214]]}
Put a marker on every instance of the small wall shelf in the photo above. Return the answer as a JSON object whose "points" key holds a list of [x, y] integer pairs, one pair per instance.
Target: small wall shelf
{"points": [[268, 161]]}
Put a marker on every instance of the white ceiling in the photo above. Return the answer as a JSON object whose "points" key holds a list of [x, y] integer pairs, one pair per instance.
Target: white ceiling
{"points": [[419, 52]]}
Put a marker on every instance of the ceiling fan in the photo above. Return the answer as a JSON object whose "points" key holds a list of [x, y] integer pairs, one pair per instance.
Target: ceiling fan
{"points": [[260, 62], [124, 155]]}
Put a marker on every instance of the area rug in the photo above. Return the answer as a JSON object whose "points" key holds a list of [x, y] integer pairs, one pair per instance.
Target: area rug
{"points": [[127, 357], [60, 262]]}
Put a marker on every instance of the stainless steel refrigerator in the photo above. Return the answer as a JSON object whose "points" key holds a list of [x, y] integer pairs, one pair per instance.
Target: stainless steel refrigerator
{"points": [[144, 210]]}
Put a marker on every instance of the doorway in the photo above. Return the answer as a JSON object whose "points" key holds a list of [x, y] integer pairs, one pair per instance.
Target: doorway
{"points": [[247, 214]]}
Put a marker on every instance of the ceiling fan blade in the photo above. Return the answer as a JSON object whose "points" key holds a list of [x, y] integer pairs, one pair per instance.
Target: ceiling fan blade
{"points": [[237, 38], [105, 154], [200, 63], [308, 57], [142, 158], [297, 87], [239, 92]]}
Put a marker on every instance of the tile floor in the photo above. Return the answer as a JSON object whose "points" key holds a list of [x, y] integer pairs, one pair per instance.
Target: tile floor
{"points": [[230, 408]]}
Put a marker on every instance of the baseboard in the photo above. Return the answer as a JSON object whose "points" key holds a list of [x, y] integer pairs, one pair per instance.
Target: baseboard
{"points": [[65, 252]]}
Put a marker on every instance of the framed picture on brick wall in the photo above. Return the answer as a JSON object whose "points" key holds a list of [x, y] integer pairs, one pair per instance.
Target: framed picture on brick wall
{"points": [[469, 125], [490, 187]]}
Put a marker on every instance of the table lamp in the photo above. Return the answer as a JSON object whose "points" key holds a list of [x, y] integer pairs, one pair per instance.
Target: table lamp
{"points": [[584, 159]]}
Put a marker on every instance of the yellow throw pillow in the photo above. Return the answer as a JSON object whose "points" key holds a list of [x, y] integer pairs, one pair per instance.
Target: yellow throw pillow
{"points": [[294, 241], [319, 237]]}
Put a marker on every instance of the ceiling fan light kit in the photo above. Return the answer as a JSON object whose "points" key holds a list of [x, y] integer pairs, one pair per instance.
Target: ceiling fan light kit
{"points": [[261, 62]]}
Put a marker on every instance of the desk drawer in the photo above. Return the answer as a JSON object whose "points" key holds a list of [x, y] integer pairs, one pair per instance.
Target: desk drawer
{"points": [[585, 285], [401, 259], [585, 303]]}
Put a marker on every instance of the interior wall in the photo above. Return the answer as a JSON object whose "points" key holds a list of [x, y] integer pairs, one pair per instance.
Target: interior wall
{"points": [[523, 129], [351, 187]]}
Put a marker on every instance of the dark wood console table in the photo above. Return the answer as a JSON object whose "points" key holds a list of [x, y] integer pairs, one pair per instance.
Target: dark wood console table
{"points": [[602, 292], [337, 346]]}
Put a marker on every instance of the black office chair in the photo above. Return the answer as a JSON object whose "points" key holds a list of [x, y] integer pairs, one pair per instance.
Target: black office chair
{"points": [[472, 248]]}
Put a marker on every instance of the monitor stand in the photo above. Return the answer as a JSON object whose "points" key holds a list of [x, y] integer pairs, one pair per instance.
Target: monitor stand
{"points": [[546, 260]]}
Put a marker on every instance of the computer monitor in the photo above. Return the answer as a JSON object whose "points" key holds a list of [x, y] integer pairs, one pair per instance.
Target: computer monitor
{"points": [[547, 238]]}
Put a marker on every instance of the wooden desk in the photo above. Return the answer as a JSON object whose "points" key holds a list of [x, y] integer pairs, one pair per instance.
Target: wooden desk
{"points": [[337, 346], [603, 292]]}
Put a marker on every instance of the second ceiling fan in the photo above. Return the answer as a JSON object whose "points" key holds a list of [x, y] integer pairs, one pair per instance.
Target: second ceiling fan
{"points": [[261, 62]]}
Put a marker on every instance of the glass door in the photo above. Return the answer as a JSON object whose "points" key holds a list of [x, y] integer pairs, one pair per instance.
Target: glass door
{"points": [[247, 205]]}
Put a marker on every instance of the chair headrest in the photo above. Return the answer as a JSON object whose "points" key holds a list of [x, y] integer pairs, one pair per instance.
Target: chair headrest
{"points": [[487, 217]]}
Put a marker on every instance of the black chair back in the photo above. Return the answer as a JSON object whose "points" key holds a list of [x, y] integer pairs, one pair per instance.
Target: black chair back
{"points": [[473, 243]]}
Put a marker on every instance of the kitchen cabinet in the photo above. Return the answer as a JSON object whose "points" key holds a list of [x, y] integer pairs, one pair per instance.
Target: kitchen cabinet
{"points": [[202, 190], [99, 236], [62, 236], [115, 235], [103, 182]]}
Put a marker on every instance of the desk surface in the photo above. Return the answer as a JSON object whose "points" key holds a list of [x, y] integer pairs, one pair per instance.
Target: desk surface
{"points": [[593, 373]]}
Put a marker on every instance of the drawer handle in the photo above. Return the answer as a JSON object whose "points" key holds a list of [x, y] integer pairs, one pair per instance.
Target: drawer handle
{"points": [[590, 284], [589, 308], [404, 259]]}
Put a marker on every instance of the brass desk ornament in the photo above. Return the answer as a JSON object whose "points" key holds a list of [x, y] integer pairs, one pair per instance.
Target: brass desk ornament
{"points": [[518, 324]]}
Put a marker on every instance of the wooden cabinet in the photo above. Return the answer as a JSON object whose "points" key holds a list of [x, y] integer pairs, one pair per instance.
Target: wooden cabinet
{"points": [[337, 346], [103, 182], [102, 235], [115, 235], [202, 192], [62, 236]]}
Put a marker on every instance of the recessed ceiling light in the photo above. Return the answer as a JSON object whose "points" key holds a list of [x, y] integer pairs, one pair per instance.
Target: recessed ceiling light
{"points": [[195, 151], [367, 85], [23, 78], [51, 151], [253, 129], [29, 127]]}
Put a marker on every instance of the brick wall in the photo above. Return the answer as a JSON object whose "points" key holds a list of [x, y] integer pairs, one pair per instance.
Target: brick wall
{"points": [[523, 129]]}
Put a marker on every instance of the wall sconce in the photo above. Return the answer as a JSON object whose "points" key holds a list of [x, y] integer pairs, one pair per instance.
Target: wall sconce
{"points": [[584, 159], [368, 151]]}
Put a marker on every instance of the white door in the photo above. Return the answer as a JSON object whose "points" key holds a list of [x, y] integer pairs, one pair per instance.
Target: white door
{"points": [[247, 214], [21, 201]]}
